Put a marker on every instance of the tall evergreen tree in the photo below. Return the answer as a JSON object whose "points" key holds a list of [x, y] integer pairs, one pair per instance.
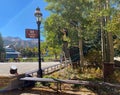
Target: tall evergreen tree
{"points": [[2, 50]]}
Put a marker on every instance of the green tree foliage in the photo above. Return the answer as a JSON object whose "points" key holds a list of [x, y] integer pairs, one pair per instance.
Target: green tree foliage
{"points": [[33, 52], [74, 16], [29, 52], [114, 24], [104, 17], [86, 21], [117, 46], [1, 43], [2, 50], [53, 35]]}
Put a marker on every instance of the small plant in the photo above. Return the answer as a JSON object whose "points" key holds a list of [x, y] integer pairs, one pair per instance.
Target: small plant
{"points": [[115, 77], [76, 86], [11, 60], [38, 84]]}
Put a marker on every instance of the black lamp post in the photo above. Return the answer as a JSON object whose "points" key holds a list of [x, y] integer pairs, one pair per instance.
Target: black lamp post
{"points": [[38, 16]]}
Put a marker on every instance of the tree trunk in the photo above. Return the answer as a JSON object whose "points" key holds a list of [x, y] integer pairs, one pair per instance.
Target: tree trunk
{"points": [[109, 49], [80, 48], [103, 44], [81, 52], [109, 62]]}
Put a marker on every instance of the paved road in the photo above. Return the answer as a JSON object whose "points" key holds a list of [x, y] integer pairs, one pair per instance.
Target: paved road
{"points": [[22, 67]]}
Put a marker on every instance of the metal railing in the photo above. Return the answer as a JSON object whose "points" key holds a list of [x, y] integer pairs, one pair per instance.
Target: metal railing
{"points": [[49, 69]]}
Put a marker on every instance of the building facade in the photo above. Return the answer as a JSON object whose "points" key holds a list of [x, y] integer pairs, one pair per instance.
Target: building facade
{"points": [[11, 53]]}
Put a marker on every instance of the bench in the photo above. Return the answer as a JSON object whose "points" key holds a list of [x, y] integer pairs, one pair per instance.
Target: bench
{"points": [[60, 81], [53, 80], [36, 79]]}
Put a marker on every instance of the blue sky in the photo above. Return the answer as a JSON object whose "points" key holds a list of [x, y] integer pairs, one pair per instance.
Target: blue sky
{"points": [[17, 15]]}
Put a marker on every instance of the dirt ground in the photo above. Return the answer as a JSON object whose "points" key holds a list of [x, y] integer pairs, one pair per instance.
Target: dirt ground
{"points": [[47, 91]]}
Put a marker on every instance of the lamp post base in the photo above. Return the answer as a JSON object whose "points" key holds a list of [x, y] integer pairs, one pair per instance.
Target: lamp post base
{"points": [[39, 73]]}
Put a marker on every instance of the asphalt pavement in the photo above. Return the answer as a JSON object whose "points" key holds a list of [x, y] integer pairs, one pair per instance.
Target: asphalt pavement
{"points": [[22, 66]]}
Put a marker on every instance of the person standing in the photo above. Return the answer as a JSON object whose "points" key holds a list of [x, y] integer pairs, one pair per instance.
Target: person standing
{"points": [[66, 41]]}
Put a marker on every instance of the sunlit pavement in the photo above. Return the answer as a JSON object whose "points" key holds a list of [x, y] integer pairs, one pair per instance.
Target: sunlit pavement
{"points": [[117, 58], [22, 66]]}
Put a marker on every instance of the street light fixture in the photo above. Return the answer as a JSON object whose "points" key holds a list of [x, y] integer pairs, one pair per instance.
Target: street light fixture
{"points": [[38, 16]]}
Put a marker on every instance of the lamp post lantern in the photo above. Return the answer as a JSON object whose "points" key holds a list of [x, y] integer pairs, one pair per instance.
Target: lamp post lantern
{"points": [[38, 16]]}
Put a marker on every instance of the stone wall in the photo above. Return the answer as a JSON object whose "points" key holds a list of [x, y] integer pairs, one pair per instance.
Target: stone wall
{"points": [[10, 82], [4, 81]]}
